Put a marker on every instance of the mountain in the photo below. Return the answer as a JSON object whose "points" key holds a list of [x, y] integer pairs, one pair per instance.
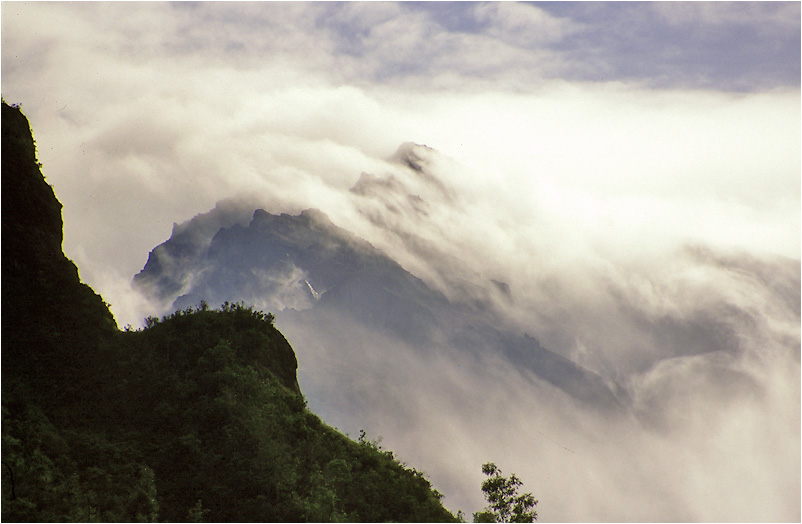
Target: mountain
{"points": [[47, 307], [197, 417], [301, 262], [306, 270]]}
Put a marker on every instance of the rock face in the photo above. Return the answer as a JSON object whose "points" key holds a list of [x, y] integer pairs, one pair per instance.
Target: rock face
{"points": [[165, 271], [297, 262], [48, 312], [306, 270]]}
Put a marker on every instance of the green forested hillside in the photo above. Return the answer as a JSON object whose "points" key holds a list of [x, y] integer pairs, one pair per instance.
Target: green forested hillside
{"points": [[197, 417]]}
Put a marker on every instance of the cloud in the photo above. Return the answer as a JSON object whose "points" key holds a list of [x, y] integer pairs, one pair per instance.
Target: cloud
{"points": [[704, 343], [781, 18], [680, 458], [522, 24], [744, 46]]}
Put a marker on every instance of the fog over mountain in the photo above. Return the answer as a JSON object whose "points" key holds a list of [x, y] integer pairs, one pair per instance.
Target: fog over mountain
{"points": [[613, 187], [306, 263], [660, 361]]}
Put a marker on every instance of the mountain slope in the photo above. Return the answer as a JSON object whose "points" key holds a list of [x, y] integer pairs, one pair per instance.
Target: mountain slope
{"points": [[47, 307], [306, 268], [198, 417]]}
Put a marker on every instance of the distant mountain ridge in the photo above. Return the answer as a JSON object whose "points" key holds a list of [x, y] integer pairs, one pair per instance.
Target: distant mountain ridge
{"points": [[304, 266], [297, 262]]}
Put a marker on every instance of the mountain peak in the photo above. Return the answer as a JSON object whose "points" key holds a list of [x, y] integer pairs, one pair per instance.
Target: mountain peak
{"points": [[309, 216], [316, 215], [411, 155]]}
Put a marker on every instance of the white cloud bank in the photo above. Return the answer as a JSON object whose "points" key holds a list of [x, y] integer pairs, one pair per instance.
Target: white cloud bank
{"points": [[616, 212]]}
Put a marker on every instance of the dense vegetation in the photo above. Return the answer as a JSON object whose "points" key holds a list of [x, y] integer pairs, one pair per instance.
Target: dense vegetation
{"points": [[196, 417]]}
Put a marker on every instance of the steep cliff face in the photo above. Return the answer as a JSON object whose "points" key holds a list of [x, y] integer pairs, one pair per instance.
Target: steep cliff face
{"points": [[52, 323], [31, 213]]}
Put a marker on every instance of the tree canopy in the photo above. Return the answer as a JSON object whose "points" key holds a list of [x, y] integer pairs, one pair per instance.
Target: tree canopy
{"points": [[505, 504]]}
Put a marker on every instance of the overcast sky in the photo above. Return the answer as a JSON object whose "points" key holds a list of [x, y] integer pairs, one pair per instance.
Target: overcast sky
{"points": [[585, 143], [148, 113]]}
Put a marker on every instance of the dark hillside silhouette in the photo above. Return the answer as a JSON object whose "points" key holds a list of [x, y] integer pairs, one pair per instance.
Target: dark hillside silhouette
{"points": [[198, 417]]}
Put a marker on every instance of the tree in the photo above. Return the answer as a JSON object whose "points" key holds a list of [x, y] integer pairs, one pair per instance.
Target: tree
{"points": [[505, 504]]}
